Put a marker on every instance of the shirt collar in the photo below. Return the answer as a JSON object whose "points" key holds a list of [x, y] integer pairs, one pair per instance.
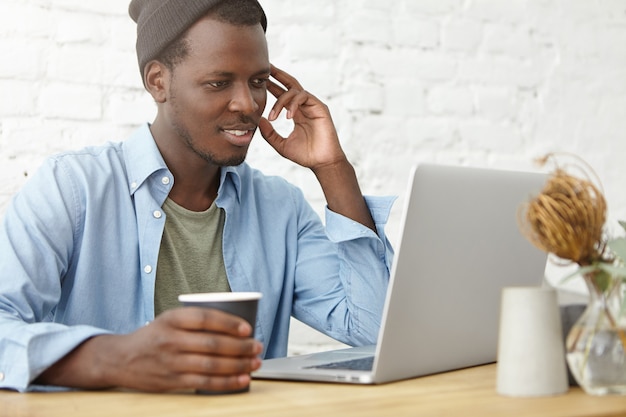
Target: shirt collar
{"points": [[231, 176], [142, 157]]}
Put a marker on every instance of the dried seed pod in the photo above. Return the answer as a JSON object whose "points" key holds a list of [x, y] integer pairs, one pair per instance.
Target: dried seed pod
{"points": [[567, 218]]}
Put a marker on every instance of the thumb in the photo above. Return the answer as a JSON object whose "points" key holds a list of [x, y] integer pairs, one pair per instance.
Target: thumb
{"points": [[270, 135]]}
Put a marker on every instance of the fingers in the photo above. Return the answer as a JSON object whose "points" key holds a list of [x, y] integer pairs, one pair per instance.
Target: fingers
{"points": [[272, 137], [208, 331], [216, 344], [214, 384], [190, 348], [213, 365], [290, 98], [285, 79], [205, 319]]}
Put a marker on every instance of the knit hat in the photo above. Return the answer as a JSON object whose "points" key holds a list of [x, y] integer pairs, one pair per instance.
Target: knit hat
{"points": [[160, 22]]}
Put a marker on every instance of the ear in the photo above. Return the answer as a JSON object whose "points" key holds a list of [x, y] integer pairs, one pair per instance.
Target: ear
{"points": [[156, 77]]}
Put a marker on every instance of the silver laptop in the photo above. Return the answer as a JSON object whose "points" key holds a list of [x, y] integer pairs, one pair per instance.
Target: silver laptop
{"points": [[460, 246]]}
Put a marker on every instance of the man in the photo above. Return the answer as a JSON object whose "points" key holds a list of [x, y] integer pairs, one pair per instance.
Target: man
{"points": [[98, 244]]}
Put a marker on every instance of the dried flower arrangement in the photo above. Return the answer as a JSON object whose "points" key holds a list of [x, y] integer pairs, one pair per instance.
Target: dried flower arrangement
{"points": [[567, 219]]}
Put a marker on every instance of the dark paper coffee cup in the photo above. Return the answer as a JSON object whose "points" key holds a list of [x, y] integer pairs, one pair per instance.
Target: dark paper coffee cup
{"points": [[241, 304]]}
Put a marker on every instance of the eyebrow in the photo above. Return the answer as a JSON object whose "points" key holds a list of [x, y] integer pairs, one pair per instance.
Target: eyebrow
{"points": [[231, 74]]}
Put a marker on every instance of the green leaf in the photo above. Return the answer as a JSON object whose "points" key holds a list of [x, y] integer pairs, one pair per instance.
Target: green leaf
{"points": [[603, 279], [579, 272], [614, 270], [618, 246], [622, 223]]}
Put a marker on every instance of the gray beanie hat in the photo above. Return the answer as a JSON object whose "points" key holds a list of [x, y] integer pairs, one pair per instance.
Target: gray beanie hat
{"points": [[160, 22]]}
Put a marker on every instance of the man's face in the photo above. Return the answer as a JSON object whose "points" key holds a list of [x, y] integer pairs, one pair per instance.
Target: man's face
{"points": [[217, 93]]}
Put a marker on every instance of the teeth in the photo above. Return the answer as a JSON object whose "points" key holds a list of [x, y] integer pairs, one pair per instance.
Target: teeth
{"points": [[237, 132]]}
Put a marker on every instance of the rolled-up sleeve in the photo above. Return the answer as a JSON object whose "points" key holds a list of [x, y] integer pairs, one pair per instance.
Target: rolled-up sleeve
{"points": [[342, 277]]}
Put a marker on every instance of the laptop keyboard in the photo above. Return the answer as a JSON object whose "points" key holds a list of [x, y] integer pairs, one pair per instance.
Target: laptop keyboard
{"points": [[359, 364]]}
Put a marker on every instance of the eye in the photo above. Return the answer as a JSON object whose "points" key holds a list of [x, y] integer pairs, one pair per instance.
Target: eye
{"points": [[217, 84], [259, 82]]}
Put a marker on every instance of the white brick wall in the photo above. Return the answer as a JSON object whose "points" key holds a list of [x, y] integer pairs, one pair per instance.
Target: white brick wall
{"points": [[477, 82]]}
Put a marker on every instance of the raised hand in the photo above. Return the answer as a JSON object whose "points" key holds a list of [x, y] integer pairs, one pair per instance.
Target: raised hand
{"points": [[313, 143]]}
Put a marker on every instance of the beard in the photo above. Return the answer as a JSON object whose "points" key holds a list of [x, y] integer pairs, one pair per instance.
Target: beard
{"points": [[181, 129], [206, 155]]}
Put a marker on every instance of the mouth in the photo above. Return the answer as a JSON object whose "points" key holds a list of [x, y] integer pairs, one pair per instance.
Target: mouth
{"points": [[240, 136]]}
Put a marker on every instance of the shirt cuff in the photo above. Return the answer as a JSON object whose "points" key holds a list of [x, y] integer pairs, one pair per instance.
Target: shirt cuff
{"points": [[340, 228]]}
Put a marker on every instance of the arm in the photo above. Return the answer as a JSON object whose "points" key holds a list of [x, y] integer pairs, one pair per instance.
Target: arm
{"points": [[186, 348], [42, 342], [341, 284], [314, 144]]}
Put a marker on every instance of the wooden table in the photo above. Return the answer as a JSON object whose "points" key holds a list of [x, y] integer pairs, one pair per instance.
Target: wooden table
{"points": [[468, 392]]}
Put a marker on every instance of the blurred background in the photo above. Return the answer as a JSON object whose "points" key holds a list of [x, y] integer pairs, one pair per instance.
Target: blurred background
{"points": [[487, 83]]}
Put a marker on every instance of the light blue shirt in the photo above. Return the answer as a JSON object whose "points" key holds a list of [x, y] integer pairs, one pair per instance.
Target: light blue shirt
{"points": [[79, 247]]}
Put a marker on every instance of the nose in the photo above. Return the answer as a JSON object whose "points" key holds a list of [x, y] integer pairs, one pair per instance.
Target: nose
{"points": [[243, 100]]}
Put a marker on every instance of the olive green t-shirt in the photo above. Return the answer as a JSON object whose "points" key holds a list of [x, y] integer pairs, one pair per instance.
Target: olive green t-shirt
{"points": [[190, 258]]}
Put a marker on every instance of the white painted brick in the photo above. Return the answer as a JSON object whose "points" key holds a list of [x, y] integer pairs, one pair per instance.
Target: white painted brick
{"points": [[122, 34], [84, 133], [504, 71], [491, 137], [464, 35], [24, 19], [22, 59], [509, 11], [70, 101], [508, 40], [450, 101], [372, 5], [366, 26], [365, 97], [416, 32], [281, 13], [119, 69], [432, 133], [319, 77], [435, 7], [585, 11], [76, 63], [130, 108], [28, 141], [420, 65], [114, 7], [17, 98], [81, 28], [495, 103], [610, 43], [314, 42], [404, 98]]}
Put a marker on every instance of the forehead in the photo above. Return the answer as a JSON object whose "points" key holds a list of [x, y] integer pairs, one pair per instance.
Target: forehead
{"points": [[216, 44]]}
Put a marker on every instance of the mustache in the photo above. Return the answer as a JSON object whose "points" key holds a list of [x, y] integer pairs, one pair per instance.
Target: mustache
{"points": [[245, 119]]}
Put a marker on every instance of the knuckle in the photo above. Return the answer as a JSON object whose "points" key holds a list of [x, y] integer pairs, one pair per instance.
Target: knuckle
{"points": [[211, 343], [209, 366]]}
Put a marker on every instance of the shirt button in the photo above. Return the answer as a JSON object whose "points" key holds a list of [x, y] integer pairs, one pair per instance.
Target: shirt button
{"points": [[1, 376], [147, 269], [133, 185], [165, 180], [157, 214]]}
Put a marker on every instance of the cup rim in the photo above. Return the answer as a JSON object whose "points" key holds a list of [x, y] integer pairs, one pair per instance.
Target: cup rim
{"points": [[219, 296]]}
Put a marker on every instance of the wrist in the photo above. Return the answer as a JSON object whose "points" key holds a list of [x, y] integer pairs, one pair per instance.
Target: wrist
{"points": [[84, 367], [338, 168]]}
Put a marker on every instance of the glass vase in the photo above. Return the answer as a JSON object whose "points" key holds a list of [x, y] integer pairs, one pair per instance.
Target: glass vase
{"points": [[595, 345]]}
